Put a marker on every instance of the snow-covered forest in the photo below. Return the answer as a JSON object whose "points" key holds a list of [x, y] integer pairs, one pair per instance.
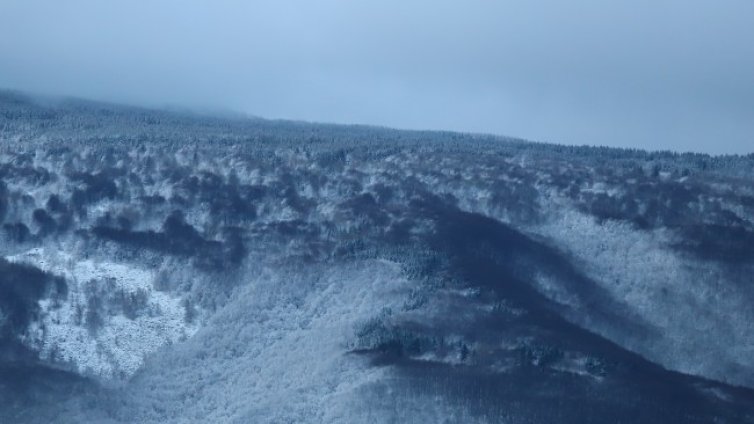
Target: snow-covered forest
{"points": [[168, 266]]}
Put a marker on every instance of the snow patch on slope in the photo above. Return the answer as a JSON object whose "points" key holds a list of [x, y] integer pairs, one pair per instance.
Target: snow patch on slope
{"points": [[701, 319], [278, 352], [111, 319]]}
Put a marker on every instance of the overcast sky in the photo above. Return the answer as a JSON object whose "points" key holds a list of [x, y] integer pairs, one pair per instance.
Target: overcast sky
{"points": [[657, 74]]}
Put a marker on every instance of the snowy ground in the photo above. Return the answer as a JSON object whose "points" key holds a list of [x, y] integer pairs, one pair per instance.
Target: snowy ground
{"points": [[115, 346], [279, 352]]}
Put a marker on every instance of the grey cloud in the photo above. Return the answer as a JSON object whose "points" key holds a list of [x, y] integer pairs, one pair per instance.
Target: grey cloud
{"points": [[664, 74]]}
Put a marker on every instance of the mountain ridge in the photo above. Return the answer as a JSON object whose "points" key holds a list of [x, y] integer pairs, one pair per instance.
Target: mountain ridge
{"points": [[251, 270]]}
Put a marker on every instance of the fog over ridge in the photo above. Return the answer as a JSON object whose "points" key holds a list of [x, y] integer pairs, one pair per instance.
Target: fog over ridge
{"points": [[661, 75]]}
